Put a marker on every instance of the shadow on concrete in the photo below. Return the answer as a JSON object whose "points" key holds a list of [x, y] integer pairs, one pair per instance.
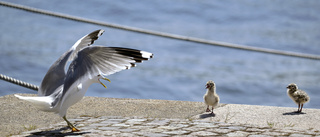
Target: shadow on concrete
{"points": [[294, 113], [57, 133], [202, 116]]}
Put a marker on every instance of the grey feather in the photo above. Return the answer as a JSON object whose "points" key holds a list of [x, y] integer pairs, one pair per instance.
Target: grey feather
{"points": [[55, 76], [95, 60]]}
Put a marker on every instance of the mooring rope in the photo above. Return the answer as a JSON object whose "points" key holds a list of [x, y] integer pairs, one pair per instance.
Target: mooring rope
{"points": [[18, 82], [161, 34]]}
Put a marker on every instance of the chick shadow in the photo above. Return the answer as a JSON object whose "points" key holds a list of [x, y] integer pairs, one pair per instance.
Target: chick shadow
{"points": [[57, 133], [202, 116], [294, 113]]}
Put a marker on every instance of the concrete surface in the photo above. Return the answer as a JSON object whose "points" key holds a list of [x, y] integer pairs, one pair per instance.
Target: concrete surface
{"points": [[18, 116]]}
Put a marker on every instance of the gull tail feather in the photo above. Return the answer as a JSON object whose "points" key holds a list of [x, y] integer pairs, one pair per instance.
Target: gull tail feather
{"points": [[42, 102]]}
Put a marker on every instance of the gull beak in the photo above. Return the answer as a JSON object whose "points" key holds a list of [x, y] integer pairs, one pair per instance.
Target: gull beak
{"points": [[104, 79], [207, 86]]}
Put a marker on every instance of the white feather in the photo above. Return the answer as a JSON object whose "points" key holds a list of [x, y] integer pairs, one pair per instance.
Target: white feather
{"points": [[41, 102]]}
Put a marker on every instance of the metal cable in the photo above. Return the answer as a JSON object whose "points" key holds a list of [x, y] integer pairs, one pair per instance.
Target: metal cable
{"points": [[161, 34], [19, 82]]}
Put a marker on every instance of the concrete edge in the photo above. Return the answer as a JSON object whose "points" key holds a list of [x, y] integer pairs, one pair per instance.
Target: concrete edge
{"points": [[18, 115]]}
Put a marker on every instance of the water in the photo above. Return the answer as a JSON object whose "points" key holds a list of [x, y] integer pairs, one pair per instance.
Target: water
{"points": [[30, 43]]}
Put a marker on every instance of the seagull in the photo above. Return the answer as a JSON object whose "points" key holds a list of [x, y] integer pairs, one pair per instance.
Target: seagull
{"points": [[298, 96], [64, 85], [211, 98]]}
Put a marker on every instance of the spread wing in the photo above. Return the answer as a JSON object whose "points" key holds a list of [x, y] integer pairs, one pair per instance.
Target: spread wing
{"points": [[54, 78], [95, 60]]}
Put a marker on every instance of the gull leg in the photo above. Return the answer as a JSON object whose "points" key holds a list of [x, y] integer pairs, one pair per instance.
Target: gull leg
{"points": [[208, 110], [106, 80], [73, 128], [299, 107]]}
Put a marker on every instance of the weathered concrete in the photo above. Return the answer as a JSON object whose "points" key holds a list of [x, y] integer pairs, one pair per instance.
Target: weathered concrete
{"points": [[141, 126], [17, 114], [279, 117], [132, 117]]}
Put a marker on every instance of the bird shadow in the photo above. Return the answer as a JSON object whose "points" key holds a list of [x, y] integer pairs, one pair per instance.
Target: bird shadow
{"points": [[57, 133], [202, 116], [294, 113]]}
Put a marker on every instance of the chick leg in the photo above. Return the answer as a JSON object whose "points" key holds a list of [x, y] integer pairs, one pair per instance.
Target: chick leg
{"points": [[208, 110], [211, 111], [301, 107]]}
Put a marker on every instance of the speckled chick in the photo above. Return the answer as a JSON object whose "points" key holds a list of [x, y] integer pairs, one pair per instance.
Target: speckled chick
{"points": [[211, 98], [298, 96]]}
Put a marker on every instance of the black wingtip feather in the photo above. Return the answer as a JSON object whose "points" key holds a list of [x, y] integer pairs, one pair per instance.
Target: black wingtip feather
{"points": [[137, 55], [95, 35]]}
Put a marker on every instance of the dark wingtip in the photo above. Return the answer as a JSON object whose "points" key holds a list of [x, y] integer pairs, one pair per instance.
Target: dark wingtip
{"points": [[95, 35]]}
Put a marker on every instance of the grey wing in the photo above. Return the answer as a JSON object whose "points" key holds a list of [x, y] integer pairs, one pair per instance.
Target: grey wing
{"points": [[95, 60], [55, 76]]}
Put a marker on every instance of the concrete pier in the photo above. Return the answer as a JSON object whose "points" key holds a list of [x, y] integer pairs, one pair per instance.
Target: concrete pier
{"points": [[96, 116]]}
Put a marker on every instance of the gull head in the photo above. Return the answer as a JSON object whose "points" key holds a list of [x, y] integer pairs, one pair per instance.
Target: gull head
{"points": [[209, 84], [102, 77], [292, 86]]}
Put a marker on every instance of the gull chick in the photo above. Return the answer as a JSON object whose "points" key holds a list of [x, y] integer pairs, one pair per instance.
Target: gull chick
{"points": [[298, 96], [64, 85], [211, 98]]}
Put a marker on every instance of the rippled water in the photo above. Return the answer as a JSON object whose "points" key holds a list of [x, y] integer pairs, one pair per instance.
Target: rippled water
{"points": [[30, 43]]}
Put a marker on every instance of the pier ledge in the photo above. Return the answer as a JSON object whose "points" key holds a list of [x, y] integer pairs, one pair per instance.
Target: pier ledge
{"points": [[98, 116]]}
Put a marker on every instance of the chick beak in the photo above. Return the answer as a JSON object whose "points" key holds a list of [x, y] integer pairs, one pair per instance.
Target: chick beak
{"points": [[104, 79], [207, 86]]}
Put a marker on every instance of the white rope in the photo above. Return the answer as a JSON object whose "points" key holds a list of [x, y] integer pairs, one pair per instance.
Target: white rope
{"points": [[18, 82], [161, 34]]}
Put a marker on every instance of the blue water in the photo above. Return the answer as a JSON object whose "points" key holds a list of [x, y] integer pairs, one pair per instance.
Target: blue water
{"points": [[30, 43]]}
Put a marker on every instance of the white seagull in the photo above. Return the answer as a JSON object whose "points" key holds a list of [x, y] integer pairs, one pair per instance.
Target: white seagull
{"points": [[59, 89]]}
